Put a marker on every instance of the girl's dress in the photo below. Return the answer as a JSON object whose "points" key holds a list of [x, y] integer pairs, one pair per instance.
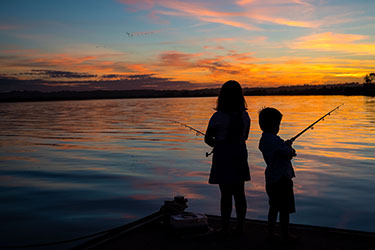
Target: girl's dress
{"points": [[229, 161]]}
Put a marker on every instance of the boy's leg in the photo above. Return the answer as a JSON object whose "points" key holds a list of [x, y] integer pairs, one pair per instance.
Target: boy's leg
{"points": [[288, 206], [272, 190], [240, 202], [225, 205]]}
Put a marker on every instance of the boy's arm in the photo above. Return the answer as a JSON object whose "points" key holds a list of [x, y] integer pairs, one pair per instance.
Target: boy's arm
{"points": [[285, 149]]}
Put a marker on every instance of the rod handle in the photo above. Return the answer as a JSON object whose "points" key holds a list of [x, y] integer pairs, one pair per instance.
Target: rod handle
{"points": [[210, 153]]}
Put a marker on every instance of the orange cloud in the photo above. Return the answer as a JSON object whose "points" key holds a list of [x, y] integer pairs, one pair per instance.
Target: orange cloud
{"points": [[285, 21], [206, 67], [25, 60], [255, 71], [177, 59], [246, 56], [244, 2], [337, 42]]}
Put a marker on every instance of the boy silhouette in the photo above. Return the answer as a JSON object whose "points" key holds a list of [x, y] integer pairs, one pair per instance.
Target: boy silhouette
{"points": [[279, 172]]}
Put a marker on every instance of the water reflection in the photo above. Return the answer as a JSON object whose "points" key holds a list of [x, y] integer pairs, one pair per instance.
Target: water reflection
{"points": [[77, 167], [369, 103]]}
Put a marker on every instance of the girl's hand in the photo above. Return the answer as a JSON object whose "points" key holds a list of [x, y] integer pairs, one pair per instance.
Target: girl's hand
{"points": [[209, 137]]}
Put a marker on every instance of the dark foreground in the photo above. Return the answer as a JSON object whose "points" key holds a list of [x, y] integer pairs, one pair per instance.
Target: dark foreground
{"points": [[153, 233]]}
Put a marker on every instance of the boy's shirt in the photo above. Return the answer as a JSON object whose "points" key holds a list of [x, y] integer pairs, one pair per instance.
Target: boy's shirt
{"points": [[276, 154]]}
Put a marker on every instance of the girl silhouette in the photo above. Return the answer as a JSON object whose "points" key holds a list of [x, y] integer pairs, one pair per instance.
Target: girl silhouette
{"points": [[227, 131]]}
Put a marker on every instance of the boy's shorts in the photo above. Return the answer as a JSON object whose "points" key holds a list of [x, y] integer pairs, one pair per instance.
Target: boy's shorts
{"points": [[281, 195]]}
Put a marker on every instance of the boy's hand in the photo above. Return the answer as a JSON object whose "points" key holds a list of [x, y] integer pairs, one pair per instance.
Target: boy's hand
{"points": [[289, 142], [294, 153]]}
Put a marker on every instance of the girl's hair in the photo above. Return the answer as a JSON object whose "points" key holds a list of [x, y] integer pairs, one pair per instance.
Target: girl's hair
{"points": [[231, 98]]}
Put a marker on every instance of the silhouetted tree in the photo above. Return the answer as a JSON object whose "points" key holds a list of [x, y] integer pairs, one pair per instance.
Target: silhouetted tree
{"points": [[369, 78]]}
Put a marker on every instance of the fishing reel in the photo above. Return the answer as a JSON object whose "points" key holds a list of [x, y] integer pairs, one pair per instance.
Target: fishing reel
{"points": [[210, 153]]}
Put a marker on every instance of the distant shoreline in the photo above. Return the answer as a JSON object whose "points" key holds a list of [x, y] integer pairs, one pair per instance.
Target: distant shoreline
{"points": [[335, 89]]}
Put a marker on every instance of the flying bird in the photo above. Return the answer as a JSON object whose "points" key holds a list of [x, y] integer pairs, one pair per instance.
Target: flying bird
{"points": [[132, 34]]}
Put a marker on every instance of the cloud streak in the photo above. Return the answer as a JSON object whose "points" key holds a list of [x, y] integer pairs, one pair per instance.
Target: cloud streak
{"points": [[58, 74], [197, 10], [130, 82], [336, 42], [246, 15], [8, 27]]}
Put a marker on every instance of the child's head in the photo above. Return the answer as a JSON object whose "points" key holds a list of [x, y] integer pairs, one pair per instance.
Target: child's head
{"points": [[269, 120], [231, 97]]}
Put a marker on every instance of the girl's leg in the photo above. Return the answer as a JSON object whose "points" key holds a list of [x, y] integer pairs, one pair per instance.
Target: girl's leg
{"points": [[272, 217], [225, 205], [284, 224], [240, 202]]}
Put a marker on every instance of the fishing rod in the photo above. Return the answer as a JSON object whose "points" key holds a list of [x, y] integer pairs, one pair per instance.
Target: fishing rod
{"points": [[187, 126], [195, 130], [312, 125]]}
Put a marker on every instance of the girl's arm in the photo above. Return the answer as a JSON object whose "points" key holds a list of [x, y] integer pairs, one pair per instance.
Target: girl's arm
{"points": [[247, 130], [209, 138]]}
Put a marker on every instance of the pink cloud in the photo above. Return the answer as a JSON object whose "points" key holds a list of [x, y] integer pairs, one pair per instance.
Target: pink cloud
{"points": [[214, 47], [284, 12], [246, 26], [8, 27], [198, 10], [285, 21]]}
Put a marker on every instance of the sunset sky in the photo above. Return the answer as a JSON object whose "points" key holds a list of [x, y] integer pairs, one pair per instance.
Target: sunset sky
{"points": [[171, 44]]}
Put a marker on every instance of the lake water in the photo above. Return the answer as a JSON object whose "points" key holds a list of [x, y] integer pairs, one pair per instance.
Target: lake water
{"points": [[72, 168]]}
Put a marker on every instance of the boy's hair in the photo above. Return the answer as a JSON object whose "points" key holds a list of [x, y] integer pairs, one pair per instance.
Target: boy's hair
{"points": [[269, 118]]}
